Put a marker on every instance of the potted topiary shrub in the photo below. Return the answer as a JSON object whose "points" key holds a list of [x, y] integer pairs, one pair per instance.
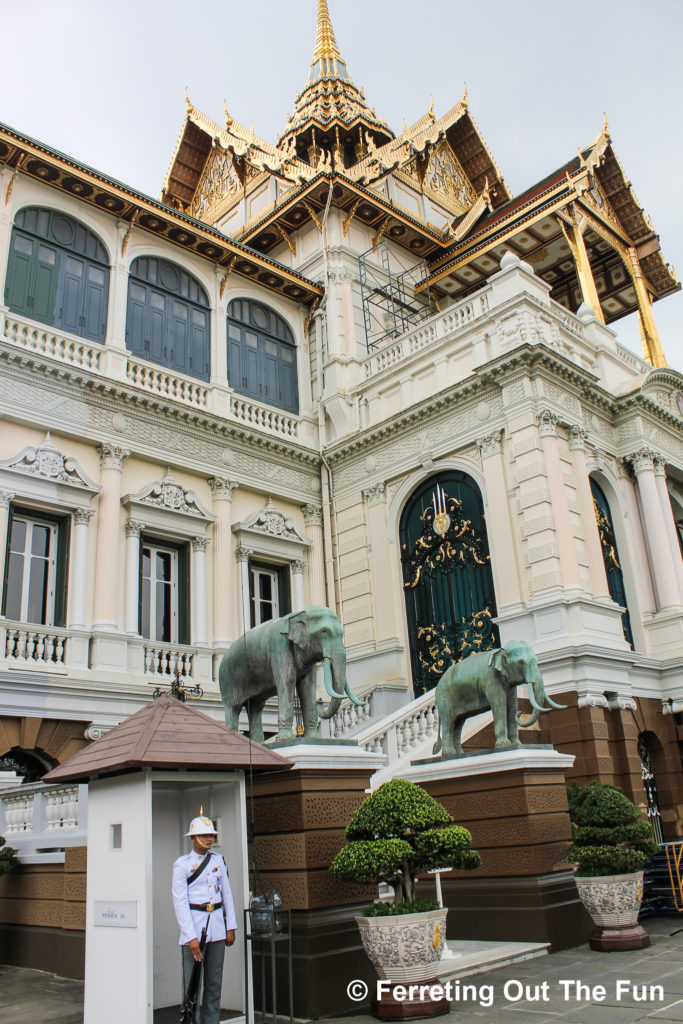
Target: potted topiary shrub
{"points": [[8, 858], [611, 845], [397, 833]]}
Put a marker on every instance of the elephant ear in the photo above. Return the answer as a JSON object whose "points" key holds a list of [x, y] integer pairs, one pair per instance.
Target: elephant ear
{"points": [[296, 629], [498, 660]]}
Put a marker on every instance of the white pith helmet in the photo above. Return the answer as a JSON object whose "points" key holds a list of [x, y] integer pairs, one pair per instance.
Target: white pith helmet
{"points": [[201, 826]]}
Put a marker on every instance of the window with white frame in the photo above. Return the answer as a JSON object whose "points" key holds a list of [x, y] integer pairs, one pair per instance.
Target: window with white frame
{"points": [[164, 592], [36, 568], [265, 585]]}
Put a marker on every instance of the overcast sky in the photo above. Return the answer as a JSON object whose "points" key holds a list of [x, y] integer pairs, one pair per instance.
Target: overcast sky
{"points": [[105, 83]]}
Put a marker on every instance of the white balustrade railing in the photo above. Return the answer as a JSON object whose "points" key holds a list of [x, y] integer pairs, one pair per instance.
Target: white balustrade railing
{"points": [[31, 646], [46, 342], [167, 385], [168, 660], [263, 417], [40, 820], [399, 733], [428, 333], [350, 716]]}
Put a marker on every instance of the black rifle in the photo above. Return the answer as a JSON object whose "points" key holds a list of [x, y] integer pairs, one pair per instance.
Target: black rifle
{"points": [[189, 1007]]}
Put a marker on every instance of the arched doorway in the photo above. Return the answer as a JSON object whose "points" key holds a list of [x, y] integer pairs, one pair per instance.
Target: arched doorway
{"points": [[447, 580], [29, 765]]}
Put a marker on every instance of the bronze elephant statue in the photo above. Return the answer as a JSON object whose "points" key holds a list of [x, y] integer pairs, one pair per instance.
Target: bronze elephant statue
{"points": [[489, 679], [279, 658]]}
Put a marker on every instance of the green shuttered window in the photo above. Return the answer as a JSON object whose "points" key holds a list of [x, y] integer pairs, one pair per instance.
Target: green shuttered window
{"points": [[262, 355], [58, 273], [168, 319]]}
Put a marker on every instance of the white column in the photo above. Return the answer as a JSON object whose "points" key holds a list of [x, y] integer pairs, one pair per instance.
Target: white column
{"points": [[498, 527], [666, 582], [569, 565], [5, 499], [298, 596], [133, 531], [198, 590], [223, 628], [79, 567], [313, 520], [591, 534], [642, 576], [243, 555], [105, 617], [386, 583], [669, 521]]}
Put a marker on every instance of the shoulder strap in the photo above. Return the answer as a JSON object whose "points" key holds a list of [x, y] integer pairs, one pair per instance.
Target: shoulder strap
{"points": [[197, 871], [226, 867]]}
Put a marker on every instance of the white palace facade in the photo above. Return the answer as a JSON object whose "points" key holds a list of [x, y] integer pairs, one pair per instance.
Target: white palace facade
{"points": [[252, 394]]}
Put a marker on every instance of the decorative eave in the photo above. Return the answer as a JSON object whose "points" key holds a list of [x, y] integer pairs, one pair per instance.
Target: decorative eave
{"points": [[63, 173], [49, 476], [271, 532], [167, 504]]}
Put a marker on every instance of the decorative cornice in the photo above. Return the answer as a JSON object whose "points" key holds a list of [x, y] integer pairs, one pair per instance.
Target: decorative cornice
{"points": [[592, 700], [375, 495], [313, 515], [221, 489], [111, 456], [490, 445]]}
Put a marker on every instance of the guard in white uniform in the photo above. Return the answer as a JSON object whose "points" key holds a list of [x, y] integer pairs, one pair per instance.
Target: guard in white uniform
{"points": [[204, 898]]}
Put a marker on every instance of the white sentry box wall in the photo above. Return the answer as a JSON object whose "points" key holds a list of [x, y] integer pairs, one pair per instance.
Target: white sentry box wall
{"points": [[132, 963]]}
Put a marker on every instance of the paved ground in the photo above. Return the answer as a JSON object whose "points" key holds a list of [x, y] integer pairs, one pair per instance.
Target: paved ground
{"points": [[640, 986]]}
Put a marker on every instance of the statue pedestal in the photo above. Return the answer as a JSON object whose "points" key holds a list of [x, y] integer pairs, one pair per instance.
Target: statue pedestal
{"points": [[514, 803], [299, 817]]}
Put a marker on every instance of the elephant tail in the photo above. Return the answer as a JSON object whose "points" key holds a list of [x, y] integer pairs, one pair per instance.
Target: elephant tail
{"points": [[437, 746]]}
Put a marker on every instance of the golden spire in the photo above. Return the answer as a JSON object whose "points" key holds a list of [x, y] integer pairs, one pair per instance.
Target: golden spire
{"points": [[325, 43]]}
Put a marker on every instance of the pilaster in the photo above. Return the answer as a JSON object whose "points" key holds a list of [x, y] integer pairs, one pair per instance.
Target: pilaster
{"points": [[223, 617], [498, 526], [5, 501], [313, 521], [385, 583], [108, 536], [596, 564], [79, 566]]}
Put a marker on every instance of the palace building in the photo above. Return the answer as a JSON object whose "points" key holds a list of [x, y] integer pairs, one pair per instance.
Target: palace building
{"points": [[345, 367]]}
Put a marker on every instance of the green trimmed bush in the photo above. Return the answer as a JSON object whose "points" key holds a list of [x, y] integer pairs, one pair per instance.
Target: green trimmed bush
{"points": [[8, 858], [397, 833], [609, 835]]}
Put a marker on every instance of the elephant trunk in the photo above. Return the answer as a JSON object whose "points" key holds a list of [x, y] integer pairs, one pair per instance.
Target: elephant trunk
{"points": [[336, 684], [526, 721]]}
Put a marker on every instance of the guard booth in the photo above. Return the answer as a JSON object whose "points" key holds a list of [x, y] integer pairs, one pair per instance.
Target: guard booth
{"points": [[147, 779]]}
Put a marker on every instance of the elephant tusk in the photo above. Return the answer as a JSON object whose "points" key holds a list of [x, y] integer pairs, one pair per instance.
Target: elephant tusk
{"points": [[327, 676], [534, 702], [352, 697], [559, 707]]}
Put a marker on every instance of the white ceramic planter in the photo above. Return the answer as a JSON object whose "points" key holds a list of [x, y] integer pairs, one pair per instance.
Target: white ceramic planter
{"points": [[405, 947], [613, 901]]}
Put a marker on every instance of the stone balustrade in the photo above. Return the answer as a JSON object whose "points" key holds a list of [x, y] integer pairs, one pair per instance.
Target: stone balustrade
{"points": [[39, 821], [34, 647]]}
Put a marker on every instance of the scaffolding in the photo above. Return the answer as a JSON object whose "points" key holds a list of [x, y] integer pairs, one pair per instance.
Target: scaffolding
{"points": [[391, 305]]}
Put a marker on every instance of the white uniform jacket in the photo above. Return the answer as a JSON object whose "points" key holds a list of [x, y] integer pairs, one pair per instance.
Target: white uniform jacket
{"points": [[212, 886]]}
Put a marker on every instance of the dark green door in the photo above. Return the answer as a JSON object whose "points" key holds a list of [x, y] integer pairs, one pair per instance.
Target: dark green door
{"points": [[447, 581]]}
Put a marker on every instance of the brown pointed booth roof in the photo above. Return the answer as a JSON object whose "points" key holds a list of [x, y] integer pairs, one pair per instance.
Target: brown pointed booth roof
{"points": [[167, 734]]}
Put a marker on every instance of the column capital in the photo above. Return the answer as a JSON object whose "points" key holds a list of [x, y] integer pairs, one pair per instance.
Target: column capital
{"points": [[82, 516], [94, 732], [221, 489], [617, 702], [578, 438], [490, 445], [6, 498], [199, 543], [375, 495], [243, 554], [313, 515], [134, 528], [642, 460], [547, 423], [298, 565], [592, 700], [660, 465], [111, 456]]}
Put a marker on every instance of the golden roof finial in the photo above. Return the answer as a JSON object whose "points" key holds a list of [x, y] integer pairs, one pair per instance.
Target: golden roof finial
{"points": [[430, 112], [228, 119], [187, 102], [464, 97], [605, 128], [325, 43]]}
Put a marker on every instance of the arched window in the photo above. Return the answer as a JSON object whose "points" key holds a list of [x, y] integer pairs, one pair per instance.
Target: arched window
{"points": [[168, 317], [610, 556], [447, 581], [58, 273], [262, 355]]}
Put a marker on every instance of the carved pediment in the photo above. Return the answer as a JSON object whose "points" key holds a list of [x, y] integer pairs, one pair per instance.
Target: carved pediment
{"points": [[167, 503], [273, 523], [48, 463]]}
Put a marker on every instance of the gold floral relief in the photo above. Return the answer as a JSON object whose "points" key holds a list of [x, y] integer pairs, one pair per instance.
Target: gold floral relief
{"points": [[218, 182], [446, 180]]}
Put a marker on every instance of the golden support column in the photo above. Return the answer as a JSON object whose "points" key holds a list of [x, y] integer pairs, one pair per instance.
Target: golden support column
{"points": [[105, 615], [652, 346], [223, 629], [547, 429], [584, 272], [499, 529], [591, 535]]}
